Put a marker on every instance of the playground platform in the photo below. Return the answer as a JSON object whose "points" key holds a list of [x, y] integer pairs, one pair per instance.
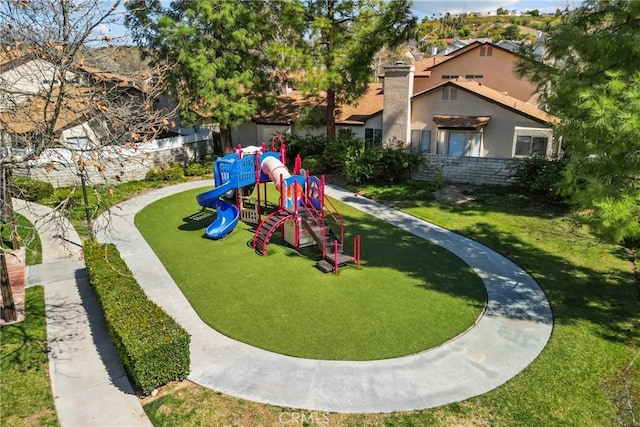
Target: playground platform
{"points": [[513, 330]]}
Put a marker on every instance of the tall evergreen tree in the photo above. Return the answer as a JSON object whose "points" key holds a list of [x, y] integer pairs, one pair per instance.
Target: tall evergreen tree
{"points": [[343, 37], [594, 87], [219, 49]]}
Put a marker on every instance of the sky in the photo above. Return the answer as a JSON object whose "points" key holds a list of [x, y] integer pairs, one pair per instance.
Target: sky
{"points": [[421, 8]]}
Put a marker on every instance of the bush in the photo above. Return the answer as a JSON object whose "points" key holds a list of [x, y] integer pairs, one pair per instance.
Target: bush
{"points": [[153, 348], [312, 164], [70, 198], [335, 155], [30, 189], [541, 176], [305, 146], [172, 173], [379, 164], [196, 169]]}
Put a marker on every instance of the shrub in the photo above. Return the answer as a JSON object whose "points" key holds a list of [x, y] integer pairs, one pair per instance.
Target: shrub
{"points": [[196, 169], [541, 176], [359, 165], [68, 197], [306, 146], [153, 348], [377, 164], [335, 154], [30, 189], [312, 164], [172, 173]]}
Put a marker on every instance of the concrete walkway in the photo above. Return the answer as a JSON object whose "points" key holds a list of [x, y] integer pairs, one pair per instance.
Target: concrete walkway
{"points": [[512, 332], [89, 384]]}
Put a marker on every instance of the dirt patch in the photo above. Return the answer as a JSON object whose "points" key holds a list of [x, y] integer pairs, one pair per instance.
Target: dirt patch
{"points": [[455, 194], [171, 388]]}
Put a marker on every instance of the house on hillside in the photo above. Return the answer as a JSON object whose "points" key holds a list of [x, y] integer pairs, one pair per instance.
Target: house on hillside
{"points": [[91, 110], [467, 112], [484, 62]]}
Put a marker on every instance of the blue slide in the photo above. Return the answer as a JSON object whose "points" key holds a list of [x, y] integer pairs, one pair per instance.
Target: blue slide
{"points": [[228, 213]]}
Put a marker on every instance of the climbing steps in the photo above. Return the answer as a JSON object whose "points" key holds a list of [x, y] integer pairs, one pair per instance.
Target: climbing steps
{"points": [[266, 229], [324, 236]]}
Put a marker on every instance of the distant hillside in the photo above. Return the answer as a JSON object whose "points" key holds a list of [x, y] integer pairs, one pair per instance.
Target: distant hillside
{"points": [[437, 30], [124, 60]]}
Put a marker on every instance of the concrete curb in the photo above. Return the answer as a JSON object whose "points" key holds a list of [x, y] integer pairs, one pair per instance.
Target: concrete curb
{"points": [[89, 385], [514, 329]]}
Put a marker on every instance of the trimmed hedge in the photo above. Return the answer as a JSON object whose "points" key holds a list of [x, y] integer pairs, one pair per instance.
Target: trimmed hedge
{"points": [[153, 348], [30, 189]]}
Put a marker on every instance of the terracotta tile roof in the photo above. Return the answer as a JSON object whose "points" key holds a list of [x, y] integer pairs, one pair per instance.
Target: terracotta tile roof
{"points": [[424, 67], [499, 98], [31, 115], [12, 57], [288, 107], [468, 122], [109, 77], [369, 105]]}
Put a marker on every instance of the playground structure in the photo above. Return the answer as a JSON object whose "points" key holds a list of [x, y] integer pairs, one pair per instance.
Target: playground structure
{"points": [[303, 212]]}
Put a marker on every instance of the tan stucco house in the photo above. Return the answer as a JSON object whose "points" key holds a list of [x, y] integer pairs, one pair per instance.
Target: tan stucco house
{"points": [[467, 112]]}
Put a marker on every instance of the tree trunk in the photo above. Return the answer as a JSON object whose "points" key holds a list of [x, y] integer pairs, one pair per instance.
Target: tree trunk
{"points": [[85, 198], [10, 314], [6, 214], [225, 138], [331, 115]]}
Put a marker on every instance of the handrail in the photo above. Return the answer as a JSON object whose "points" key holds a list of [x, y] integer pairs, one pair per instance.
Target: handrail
{"points": [[315, 215], [356, 250], [340, 223]]}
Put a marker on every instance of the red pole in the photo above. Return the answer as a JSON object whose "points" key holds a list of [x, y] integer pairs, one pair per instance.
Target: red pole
{"points": [[335, 256], [283, 153], [322, 195], [257, 161], [297, 165], [282, 204], [306, 186]]}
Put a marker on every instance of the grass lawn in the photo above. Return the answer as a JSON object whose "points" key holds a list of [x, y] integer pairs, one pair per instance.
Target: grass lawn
{"points": [[410, 295], [28, 237], [24, 385], [588, 375]]}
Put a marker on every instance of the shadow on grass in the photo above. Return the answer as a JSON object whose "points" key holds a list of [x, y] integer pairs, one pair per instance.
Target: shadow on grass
{"points": [[604, 298], [198, 221]]}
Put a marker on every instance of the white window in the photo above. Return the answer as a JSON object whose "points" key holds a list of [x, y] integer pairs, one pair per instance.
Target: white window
{"points": [[420, 141], [450, 93], [372, 137], [531, 146], [531, 142], [459, 142], [486, 50]]}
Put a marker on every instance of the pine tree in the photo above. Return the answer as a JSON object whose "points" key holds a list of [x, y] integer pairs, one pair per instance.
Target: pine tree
{"points": [[344, 37], [594, 87], [221, 70]]}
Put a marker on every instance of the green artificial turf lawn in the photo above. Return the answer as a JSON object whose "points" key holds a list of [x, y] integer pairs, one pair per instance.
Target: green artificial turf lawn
{"points": [[409, 296]]}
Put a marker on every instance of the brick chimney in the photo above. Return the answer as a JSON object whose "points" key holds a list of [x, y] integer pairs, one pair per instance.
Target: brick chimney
{"points": [[396, 114]]}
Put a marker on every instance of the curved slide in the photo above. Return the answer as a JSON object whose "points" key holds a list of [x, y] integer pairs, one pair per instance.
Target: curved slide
{"points": [[228, 213]]}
